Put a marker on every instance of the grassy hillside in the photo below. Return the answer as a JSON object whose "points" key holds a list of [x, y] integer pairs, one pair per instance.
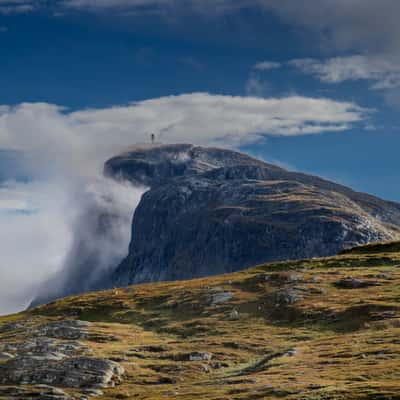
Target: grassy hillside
{"points": [[313, 329]]}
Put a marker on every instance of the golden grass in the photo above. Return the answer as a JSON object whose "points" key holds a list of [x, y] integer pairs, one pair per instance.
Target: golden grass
{"points": [[331, 344]]}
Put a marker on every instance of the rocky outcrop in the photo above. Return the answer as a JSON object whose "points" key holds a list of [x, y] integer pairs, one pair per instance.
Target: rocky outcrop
{"points": [[211, 211], [43, 392], [151, 165], [71, 372], [53, 356]]}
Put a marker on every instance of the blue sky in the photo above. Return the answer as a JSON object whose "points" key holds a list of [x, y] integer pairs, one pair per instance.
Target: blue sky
{"points": [[93, 56], [310, 85]]}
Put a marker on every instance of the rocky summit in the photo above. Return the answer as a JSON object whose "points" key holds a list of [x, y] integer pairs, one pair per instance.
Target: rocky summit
{"points": [[210, 211], [317, 329]]}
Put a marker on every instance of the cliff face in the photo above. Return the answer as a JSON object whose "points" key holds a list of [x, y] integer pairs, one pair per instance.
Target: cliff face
{"points": [[211, 211]]}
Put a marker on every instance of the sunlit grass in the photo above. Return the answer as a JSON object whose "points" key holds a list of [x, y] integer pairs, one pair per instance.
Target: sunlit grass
{"points": [[332, 343]]}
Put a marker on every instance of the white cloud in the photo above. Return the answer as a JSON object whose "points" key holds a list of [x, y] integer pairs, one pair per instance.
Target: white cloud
{"points": [[107, 4], [384, 73], [369, 28], [363, 25], [13, 198], [255, 86], [205, 7], [345, 24], [86, 138], [8, 7], [33, 244], [204, 118], [65, 152]]}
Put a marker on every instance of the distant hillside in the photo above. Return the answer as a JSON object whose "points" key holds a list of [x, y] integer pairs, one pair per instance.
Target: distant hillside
{"points": [[300, 330]]}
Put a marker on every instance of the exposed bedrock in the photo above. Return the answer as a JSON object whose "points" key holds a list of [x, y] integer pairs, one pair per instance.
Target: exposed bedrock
{"points": [[210, 211]]}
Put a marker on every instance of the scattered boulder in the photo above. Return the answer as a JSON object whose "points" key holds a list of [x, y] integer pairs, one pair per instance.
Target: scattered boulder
{"points": [[198, 356], [290, 353], [204, 368], [234, 315], [355, 283], [152, 349], [50, 392], [218, 365], [194, 356], [316, 279], [93, 392], [5, 356], [294, 278], [242, 381], [288, 296], [70, 329], [220, 298], [384, 275], [44, 392], [166, 380]]}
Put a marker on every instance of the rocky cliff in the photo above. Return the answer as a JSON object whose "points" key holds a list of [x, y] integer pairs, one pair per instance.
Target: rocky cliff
{"points": [[211, 211]]}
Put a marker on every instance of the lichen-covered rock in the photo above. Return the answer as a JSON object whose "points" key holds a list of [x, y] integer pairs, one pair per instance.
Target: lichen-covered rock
{"points": [[43, 392], [199, 356], [69, 329], [234, 315], [81, 372], [355, 283], [51, 355], [288, 296], [220, 297]]}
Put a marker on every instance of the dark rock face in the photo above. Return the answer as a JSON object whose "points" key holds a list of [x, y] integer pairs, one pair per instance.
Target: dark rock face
{"points": [[211, 211], [151, 165]]}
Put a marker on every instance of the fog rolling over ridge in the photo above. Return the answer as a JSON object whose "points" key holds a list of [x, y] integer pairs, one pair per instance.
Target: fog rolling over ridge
{"points": [[68, 243], [61, 208], [101, 234]]}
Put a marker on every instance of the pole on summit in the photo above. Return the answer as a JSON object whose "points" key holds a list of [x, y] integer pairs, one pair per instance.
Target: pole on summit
{"points": [[153, 138]]}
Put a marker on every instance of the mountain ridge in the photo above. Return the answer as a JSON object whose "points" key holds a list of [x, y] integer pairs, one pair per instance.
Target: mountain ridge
{"points": [[234, 211], [209, 211]]}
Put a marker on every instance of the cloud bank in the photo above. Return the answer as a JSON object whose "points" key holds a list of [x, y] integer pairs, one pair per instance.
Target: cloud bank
{"points": [[68, 213], [384, 73], [368, 30], [8, 7]]}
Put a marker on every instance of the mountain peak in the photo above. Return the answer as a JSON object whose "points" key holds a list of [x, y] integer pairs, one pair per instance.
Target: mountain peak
{"points": [[211, 211], [149, 164]]}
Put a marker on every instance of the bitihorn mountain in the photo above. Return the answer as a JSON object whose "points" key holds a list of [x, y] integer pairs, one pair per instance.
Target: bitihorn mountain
{"points": [[210, 211]]}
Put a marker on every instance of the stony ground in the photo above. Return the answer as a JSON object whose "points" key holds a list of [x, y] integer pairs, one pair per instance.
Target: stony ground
{"points": [[314, 329]]}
